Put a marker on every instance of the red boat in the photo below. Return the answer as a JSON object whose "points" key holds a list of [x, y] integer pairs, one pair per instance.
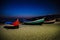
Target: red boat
{"points": [[14, 25]]}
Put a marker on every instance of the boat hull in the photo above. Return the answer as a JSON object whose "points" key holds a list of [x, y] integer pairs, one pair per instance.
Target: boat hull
{"points": [[49, 22], [36, 22], [33, 23], [11, 27]]}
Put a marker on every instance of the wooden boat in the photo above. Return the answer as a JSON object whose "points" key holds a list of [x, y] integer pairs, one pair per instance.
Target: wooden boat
{"points": [[36, 22], [14, 25], [49, 22]]}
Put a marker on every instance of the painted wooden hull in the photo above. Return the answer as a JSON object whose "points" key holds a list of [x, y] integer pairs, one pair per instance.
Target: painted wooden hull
{"points": [[36, 22], [14, 25], [11, 27], [49, 22]]}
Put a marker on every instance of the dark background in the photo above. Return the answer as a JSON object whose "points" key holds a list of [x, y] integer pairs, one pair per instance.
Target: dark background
{"points": [[29, 8]]}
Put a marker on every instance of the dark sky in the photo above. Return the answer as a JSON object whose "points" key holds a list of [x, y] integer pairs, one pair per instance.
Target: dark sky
{"points": [[29, 8]]}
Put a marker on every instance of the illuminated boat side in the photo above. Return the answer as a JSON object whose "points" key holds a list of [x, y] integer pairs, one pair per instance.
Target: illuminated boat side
{"points": [[14, 25], [49, 22], [36, 22]]}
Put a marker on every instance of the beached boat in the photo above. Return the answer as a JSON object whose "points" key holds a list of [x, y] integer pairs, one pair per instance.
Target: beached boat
{"points": [[49, 22], [14, 25], [36, 22]]}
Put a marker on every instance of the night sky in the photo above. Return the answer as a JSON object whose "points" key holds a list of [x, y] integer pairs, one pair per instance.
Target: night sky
{"points": [[29, 8]]}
